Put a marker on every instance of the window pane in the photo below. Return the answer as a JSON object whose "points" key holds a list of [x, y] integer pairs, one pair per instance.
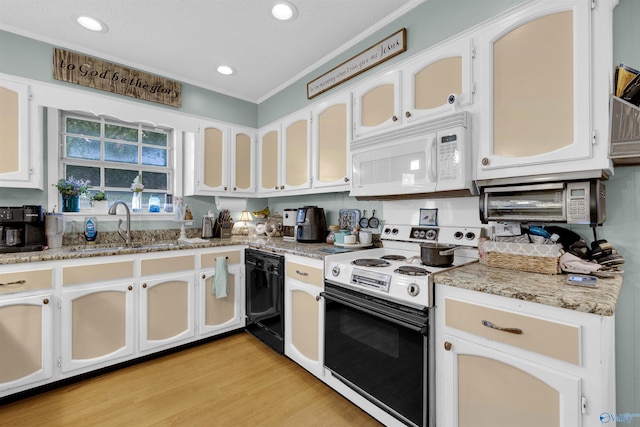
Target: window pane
{"points": [[83, 127], [83, 148], [154, 138], [119, 152], [154, 181], [121, 132], [84, 172], [119, 178], [154, 156]]}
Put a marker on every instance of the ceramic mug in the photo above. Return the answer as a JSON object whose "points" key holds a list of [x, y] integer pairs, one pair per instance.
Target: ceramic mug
{"points": [[350, 239], [365, 237]]}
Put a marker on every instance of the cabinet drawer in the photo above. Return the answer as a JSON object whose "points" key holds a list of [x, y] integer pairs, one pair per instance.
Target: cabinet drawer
{"points": [[209, 260], [553, 339], [35, 279], [167, 265], [304, 273], [97, 272]]}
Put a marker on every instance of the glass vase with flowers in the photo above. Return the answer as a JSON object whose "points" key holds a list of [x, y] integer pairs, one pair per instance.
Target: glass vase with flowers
{"points": [[136, 199]]}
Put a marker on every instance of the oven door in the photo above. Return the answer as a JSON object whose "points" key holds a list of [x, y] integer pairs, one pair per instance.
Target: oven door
{"points": [[381, 351]]}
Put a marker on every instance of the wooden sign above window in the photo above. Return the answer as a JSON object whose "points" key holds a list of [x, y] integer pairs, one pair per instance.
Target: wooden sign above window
{"points": [[380, 52], [92, 72]]}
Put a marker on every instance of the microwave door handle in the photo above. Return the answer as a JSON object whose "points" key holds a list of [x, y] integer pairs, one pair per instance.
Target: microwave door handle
{"points": [[433, 156]]}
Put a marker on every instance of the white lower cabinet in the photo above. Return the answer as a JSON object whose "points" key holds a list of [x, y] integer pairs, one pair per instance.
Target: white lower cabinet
{"points": [[304, 312], [98, 326], [218, 314], [506, 362], [26, 342]]}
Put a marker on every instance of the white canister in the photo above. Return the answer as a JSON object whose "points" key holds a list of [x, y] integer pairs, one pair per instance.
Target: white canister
{"points": [[365, 237], [350, 239]]}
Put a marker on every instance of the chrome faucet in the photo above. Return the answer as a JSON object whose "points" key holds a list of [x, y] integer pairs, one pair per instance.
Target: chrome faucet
{"points": [[112, 211]]}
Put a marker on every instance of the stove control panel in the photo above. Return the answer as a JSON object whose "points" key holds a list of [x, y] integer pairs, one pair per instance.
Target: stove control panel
{"points": [[465, 236]]}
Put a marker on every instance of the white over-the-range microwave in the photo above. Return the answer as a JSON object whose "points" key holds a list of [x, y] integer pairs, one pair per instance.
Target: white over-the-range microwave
{"points": [[433, 157]]}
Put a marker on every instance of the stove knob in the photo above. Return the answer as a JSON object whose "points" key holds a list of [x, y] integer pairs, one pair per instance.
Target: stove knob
{"points": [[431, 234], [458, 235], [335, 271], [394, 231], [470, 235], [413, 289], [422, 234], [387, 230]]}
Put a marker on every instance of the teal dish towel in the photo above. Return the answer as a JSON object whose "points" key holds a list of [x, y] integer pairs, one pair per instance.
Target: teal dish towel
{"points": [[220, 285]]}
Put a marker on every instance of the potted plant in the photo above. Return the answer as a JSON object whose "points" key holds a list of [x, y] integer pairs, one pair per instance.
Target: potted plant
{"points": [[99, 201], [71, 189]]}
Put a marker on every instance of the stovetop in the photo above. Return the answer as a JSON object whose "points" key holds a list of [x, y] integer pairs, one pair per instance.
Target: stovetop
{"points": [[395, 271]]}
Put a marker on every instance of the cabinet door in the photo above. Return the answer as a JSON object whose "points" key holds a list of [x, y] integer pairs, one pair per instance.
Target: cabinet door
{"points": [[331, 136], [539, 88], [214, 160], [243, 161], [217, 314], [490, 388], [15, 161], [296, 152], [430, 80], [269, 156], [377, 105], [166, 311], [304, 313], [26, 337], [97, 325]]}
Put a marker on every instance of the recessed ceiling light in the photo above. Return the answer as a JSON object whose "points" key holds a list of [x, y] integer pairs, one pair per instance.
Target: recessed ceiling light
{"points": [[92, 24], [284, 11], [226, 70]]}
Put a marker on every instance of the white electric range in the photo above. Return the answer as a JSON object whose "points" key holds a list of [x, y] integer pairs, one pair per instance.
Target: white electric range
{"points": [[395, 272]]}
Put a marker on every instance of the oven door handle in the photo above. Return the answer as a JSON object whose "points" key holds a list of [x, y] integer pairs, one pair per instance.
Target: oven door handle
{"points": [[423, 329]]}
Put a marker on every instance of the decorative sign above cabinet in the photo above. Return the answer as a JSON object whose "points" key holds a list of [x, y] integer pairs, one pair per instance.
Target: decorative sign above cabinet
{"points": [[376, 54], [92, 72]]}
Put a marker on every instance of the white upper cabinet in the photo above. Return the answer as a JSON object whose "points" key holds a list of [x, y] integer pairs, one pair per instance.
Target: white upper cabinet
{"points": [[296, 151], [21, 163], [439, 81], [269, 162], [220, 160], [377, 105], [331, 136], [539, 113], [243, 161]]}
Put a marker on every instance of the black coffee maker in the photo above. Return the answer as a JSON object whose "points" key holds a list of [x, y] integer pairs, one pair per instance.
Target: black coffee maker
{"points": [[21, 229]]}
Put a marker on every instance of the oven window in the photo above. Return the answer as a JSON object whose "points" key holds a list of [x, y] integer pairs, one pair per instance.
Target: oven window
{"points": [[383, 359], [371, 332]]}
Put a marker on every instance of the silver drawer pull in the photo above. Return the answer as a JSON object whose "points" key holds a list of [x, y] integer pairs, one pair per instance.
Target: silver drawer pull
{"points": [[488, 324], [17, 282], [302, 273]]}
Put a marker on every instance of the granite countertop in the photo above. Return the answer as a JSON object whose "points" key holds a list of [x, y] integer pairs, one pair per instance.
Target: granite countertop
{"points": [[534, 287], [274, 244]]}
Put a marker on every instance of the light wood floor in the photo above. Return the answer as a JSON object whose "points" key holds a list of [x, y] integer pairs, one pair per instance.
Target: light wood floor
{"points": [[234, 381]]}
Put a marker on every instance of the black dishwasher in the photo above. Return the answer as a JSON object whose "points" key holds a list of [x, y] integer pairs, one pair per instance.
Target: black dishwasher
{"points": [[265, 297]]}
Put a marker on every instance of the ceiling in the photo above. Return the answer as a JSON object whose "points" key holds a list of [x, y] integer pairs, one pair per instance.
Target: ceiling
{"points": [[186, 40]]}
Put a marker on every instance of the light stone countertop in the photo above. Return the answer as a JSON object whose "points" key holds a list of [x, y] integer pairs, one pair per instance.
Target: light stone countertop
{"points": [[541, 288], [275, 244], [534, 287]]}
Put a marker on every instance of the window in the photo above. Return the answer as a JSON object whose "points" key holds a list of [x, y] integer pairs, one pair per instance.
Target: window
{"points": [[111, 154]]}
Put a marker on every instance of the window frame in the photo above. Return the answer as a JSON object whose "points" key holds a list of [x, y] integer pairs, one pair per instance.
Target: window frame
{"points": [[54, 131]]}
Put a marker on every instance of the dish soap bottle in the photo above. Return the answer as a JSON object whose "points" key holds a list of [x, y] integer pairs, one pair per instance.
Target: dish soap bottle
{"points": [[90, 229]]}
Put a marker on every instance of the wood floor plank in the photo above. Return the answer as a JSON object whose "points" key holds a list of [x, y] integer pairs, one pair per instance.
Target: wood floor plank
{"points": [[233, 381]]}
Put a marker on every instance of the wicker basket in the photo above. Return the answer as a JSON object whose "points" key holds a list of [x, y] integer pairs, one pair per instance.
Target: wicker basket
{"points": [[531, 257]]}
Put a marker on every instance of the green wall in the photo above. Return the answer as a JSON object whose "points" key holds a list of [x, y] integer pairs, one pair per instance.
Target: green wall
{"points": [[33, 59]]}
